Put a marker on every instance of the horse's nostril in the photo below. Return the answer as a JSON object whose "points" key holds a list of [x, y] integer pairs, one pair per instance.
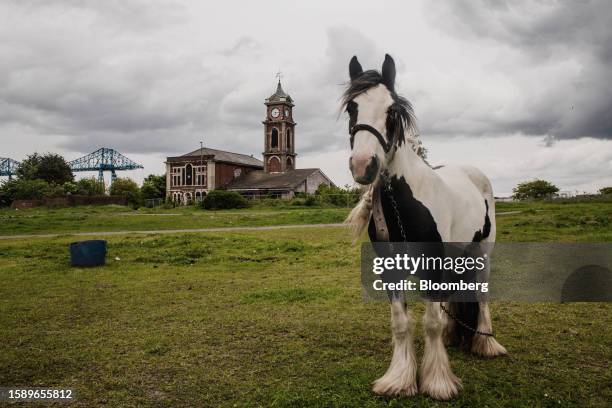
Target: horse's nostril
{"points": [[372, 168]]}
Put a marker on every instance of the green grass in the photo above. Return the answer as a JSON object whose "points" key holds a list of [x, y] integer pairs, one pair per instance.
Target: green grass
{"points": [[587, 221], [273, 318], [118, 218], [539, 222]]}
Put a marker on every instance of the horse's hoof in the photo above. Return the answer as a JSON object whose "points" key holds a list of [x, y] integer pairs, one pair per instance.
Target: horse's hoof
{"points": [[392, 386], [442, 385], [487, 346]]}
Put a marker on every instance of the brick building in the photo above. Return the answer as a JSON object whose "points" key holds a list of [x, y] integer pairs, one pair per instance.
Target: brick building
{"points": [[190, 176]]}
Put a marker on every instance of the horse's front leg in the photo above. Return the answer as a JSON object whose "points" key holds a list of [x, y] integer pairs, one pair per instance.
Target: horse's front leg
{"points": [[400, 378], [437, 379]]}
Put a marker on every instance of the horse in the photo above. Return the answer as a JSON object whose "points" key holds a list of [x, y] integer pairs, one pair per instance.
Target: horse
{"points": [[421, 204]]}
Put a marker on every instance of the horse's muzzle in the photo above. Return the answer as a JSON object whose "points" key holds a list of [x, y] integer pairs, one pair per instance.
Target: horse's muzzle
{"points": [[364, 169]]}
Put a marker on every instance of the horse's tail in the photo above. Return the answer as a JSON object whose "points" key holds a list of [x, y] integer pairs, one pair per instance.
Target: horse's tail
{"points": [[466, 313], [359, 216]]}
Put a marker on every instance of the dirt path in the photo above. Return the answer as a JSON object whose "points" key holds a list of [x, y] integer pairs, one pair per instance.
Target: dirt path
{"points": [[170, 231], [185, 230]]}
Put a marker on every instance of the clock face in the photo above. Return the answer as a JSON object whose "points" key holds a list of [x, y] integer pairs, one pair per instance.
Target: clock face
{"points": [[275, 112], [286, 113]]}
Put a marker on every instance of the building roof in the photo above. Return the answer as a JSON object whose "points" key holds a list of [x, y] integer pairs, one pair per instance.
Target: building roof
{"points": [[222, 156], [259, 179], [280, 95]]}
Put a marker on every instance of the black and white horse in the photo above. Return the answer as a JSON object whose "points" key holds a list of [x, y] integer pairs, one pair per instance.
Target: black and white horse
{"points": [[449, 204]]}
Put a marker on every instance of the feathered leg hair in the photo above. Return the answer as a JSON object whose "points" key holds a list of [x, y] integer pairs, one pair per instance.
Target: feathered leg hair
{"points": [[359, 217]]}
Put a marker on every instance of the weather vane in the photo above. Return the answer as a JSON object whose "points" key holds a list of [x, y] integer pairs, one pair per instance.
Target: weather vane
{"points": [[279, 75]]}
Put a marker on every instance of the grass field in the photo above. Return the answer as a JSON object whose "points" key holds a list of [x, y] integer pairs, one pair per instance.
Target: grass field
{"points": [[586, 220], [119, 218], [270, 318]]}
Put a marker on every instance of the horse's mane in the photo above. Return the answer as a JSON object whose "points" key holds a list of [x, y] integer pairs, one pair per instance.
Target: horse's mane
{"points": [[403, 108], [360, 215]]}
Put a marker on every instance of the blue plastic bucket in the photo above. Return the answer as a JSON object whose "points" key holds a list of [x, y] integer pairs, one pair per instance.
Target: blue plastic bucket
{"points": [[88, 253]]}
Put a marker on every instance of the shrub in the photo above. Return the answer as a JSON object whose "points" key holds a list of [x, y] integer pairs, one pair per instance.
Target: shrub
{"points": [[90, 187], [54, 190], [169, 203], [22, 189], [337, 196], [310, 200], [223, 200], [127, 188], [307, 200], [298, 201], [271, 202], [70, 188]]}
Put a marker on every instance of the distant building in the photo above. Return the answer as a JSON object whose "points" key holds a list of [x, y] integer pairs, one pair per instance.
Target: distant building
{"points": [[191, 176]]}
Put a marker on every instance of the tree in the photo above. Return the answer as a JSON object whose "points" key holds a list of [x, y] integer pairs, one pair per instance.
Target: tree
{"points": [[22, 189], [154, 187], [605, 190], [90, 187], [536, 190], [127, 188], [49, 167]]}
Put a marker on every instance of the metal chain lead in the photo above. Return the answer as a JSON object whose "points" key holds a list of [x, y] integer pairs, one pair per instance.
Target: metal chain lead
{"points": [[462, 323], [389, 188]]}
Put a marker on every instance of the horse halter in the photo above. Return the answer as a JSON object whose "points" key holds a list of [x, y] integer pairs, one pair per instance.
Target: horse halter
{"points": [[381, 139]]}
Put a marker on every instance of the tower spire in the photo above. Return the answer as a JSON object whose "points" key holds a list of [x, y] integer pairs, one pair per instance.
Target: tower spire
{"points": [[279, 87]]}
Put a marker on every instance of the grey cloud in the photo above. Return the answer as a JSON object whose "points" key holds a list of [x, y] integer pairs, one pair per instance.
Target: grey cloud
{"points": [[574, 103], [91, 83], [155, 80], [541, 27]]}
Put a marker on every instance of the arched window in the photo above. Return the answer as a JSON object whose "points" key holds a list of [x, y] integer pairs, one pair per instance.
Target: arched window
{"points": [[289, 163], [288, 144], [188, 175], [274, 141], [274, 165]]}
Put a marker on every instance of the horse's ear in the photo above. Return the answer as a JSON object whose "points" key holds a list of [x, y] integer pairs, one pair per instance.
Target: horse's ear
{"points": [[388, 72], [355, 68]]}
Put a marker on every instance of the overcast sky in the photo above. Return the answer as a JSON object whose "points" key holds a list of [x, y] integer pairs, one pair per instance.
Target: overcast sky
{"points": [[520, 89]]}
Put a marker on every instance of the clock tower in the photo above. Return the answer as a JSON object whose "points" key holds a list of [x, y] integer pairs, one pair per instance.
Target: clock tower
{"points": [[279, 135]]}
